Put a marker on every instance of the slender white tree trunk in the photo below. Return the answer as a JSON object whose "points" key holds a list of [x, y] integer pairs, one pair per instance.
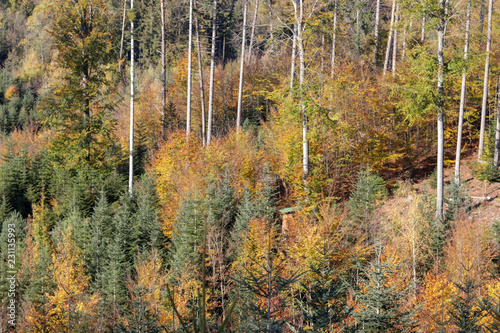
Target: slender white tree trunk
{"points": [[252, 34], [422, 36], [212, 73], [123, 34], [334, 37], [462, 97], [389, 40], [376, 35], [485, 83], [242, 66], [294, 56], [299, 14], [497, 130], [163, 68], [131, 135], [441, 30], [202, 86], [395, 39], [190, 65]]}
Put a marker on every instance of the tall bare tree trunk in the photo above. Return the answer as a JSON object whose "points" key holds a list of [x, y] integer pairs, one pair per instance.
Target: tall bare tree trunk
{"points": [[190, 65], [395, 38], [212, 73], [376, 35], [441, 30], [242, 66], [389, 40], [299, 14], [462, 97], [202, 86], [403, 55], [123, 35], [422, 36], [163, 68], [252, 34], [294, 56], [485, 83], [497, 130], [131, 138], [334, 37]]}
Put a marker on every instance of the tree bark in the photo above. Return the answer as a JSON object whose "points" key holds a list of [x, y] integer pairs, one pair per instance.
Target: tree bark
{"points": [[123, 35], [395, 40], [497, 130], [441, 30], [294, 56], [242, 66], [252, 34], [190, 65], [422, 36], [485, 83], [163, 69], [462, 97], [334, 37], [202, 86], [131, 138], [389, 40], [212, 73], [377, 23]]}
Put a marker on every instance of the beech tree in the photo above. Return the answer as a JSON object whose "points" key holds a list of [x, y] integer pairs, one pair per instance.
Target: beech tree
{"points": [[485, 82]]}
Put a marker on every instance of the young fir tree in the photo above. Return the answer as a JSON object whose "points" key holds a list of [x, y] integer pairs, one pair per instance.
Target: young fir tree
{"points": [[369, 190], [466, 314], [326, 305], [381, 306]]}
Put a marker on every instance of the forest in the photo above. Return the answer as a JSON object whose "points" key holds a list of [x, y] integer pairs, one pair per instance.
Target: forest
{"points": [[249, 166]]}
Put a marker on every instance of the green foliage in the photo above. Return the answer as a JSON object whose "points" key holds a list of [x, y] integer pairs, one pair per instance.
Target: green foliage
{"points": [[458, 201], [486, 170], [382, 305], [466, 313]]}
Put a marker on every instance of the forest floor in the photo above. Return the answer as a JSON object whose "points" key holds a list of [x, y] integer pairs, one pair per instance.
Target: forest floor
{"points": [[485, 195]]}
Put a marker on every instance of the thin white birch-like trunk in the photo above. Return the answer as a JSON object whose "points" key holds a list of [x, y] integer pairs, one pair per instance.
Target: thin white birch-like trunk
{"points": [[202, 86], [485, 82], [376, 34], [395, 41], [242, 66], [389, 40], [299, 13], [497, 130], [462, 97], [403, 55], [190, 66], [294, 56], [441, 29], [163, 69], [212, 73], [422, 36], [252, 34], [131, 135], [123, 34], [334, 37]]}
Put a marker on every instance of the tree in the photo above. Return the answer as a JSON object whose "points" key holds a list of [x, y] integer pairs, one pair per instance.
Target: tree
{"points": [[466, 314], [190, 60], [242, 65], [441, 31], [84, 45], [462, 97], [485, 82], [131, 134], [381, 306], [212, 73], [376, 34]]}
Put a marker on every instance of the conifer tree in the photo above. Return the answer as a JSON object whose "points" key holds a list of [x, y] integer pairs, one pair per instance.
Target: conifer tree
{"points": [[381, 305], [466, 314]]}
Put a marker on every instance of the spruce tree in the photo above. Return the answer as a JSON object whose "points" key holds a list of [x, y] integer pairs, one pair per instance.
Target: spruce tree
{"points": [[381, 307], [466, 314]]}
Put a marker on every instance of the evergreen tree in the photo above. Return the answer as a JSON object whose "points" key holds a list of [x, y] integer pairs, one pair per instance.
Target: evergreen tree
{"points": [[382, 306], [466, 313]]}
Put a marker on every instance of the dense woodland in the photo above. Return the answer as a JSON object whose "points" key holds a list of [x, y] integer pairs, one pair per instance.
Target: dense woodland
{"points": [[270, 138]]}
